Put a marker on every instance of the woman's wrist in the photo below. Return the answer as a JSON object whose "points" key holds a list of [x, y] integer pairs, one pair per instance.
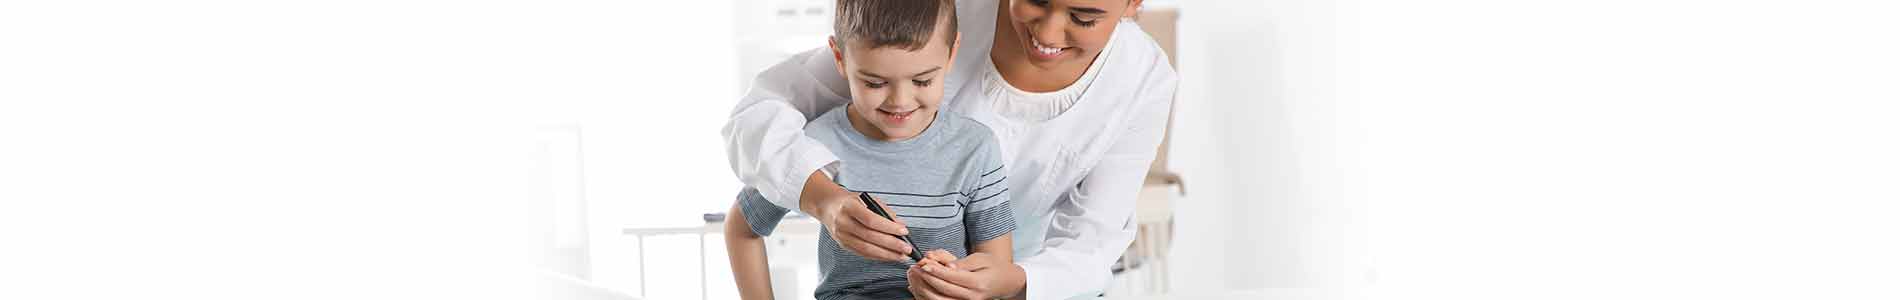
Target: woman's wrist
{"points": [[819, 195]]}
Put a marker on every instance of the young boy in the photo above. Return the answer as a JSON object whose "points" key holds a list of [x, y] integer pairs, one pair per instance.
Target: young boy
{"points": [[939, 174]]}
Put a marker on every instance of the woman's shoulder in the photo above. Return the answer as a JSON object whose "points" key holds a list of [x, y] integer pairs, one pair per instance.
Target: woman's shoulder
{"points": [[1138, 51], [1145, 79], [1137, 72]]}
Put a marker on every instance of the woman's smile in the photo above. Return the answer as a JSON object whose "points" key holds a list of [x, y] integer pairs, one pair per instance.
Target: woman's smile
{"points": [[1040, 52]]}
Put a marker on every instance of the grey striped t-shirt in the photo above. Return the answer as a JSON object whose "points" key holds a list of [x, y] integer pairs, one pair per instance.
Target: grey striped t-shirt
{"points": [[946, 184]]}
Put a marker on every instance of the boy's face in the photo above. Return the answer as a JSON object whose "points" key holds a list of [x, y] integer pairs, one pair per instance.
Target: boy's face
{"points": [[894, 92]]}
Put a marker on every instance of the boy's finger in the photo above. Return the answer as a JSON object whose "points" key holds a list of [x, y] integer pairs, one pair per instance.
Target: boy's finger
{"points": [[941, 255], [948, 288], [934, 263], [927, 261], [960, 278], [919, 288]]}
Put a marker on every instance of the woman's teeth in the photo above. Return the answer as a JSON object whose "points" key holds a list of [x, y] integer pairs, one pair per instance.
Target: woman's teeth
{"points": [[1045, 51]]}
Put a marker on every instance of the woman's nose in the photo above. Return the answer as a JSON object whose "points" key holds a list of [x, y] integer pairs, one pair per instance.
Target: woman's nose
{"points": [[1049, 31]]}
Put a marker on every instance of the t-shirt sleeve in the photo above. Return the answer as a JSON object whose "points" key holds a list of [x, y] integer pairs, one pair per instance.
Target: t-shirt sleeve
{"points": [[760, 214], [988, 216]]}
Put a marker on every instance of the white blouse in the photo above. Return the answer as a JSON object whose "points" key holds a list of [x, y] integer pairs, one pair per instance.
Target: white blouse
{"points": [[1020, 105], [1076, 157]]}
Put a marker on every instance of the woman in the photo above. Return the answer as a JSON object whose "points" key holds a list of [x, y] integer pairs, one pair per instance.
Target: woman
{"points": [[1077, 95]]}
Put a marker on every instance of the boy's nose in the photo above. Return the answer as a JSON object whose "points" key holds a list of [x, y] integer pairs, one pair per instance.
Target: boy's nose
{"points": [[903, 99]]}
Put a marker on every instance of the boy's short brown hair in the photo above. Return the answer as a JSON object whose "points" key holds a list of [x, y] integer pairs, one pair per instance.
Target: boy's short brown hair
{"points": [[904, 24]]}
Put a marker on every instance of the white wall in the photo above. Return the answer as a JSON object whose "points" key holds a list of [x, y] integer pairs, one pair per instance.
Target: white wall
{"points": [[1618, 149], [1264, 142], [1540, 149]]}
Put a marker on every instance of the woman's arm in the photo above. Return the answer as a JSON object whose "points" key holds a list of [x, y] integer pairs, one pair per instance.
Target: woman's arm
{"points": [[766, 146], [746, 251]]}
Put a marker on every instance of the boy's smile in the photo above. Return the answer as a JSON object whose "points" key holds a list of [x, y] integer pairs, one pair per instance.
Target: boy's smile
{"points": [[895, 117]]}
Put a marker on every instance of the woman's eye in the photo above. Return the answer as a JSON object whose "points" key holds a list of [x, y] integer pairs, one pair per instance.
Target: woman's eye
{"points": [[874, 85], [925, 82], [1080, 21], [1042, 3]]}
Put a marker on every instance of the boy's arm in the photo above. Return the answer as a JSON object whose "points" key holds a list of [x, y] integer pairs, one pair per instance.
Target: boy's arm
{"points": [[987, 219], [747, 253], [994, 252]]}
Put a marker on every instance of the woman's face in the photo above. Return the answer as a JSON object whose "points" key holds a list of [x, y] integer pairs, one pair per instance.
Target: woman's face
{"points": [[1066, 33]]}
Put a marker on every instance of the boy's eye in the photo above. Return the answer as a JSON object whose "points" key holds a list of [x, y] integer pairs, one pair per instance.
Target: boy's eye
{"points": [[874, 84], [924, 82]]}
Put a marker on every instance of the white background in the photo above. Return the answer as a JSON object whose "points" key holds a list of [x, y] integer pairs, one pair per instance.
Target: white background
{"points": [[1388, 149]]}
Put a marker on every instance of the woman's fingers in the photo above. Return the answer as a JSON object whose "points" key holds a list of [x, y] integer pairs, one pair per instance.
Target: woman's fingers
{"points": [[884, 241], [869, 235], [856, 242], [875, 222], [902, 229], [945, 287]]}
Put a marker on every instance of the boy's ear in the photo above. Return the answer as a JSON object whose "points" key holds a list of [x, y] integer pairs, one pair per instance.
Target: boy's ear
{"points": [[837, 55], [954, 45]]}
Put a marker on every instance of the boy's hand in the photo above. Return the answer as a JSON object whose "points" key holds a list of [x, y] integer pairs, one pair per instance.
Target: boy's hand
{"points": [[979, 276], [941, 257], [854, 226], [933, 260]]}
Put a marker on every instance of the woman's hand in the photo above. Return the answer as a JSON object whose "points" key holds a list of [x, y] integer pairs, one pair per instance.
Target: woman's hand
{"points": [[979, 276], [855, 227]]}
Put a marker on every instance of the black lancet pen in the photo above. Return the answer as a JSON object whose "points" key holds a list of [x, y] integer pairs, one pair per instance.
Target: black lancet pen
{"points": [[915, 254]]}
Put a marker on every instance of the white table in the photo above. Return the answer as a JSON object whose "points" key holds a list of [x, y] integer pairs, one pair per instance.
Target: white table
{"points": [[791, 225]]}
